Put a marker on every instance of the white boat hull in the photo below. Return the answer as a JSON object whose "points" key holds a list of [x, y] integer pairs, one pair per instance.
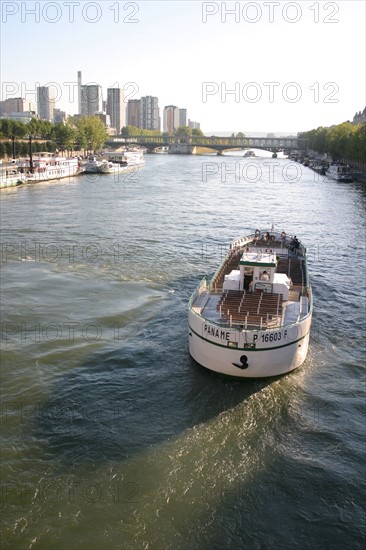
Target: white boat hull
{"points": [[49, 175], [11, 181], [208, 345]]}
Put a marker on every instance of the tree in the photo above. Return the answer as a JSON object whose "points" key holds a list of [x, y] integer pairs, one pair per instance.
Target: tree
{"points": [[19, 129], [339, 138], [359, 143], [64, 136], [2, 149], [183, 131], [197, 132], [91, 133], [6, 127]]}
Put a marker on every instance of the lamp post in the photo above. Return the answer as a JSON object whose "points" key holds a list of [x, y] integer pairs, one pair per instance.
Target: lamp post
{"points": [[30, 154], [13, 146]]}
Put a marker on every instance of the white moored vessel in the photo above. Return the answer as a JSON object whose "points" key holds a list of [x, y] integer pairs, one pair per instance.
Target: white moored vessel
{"points": [[126, 158], [115, 162], [48, 166], [253, 318], [339, 172], [95, 166]]}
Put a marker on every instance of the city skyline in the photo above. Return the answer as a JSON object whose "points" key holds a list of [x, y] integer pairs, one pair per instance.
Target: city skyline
{"points": [[235, 66]]}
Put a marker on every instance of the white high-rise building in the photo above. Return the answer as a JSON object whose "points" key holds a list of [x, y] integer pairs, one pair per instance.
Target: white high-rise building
{"points": [[149, 113], [182, 117], [91, 99], [116, 108], [79, 92], [194, 125], [45, 102]]}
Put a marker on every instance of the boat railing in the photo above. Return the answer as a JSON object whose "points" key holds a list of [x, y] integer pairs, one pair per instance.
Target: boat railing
{"points": [[276, 236], [260, 325], [201, 287]]}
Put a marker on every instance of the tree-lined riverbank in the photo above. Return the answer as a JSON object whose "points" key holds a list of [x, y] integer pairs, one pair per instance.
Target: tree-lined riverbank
{"points": [[345, 142]]}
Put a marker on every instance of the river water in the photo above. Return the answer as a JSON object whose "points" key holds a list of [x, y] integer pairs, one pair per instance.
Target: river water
{"points": [[112, 436]]}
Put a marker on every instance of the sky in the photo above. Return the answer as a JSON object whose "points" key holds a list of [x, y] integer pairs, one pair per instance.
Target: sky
{"points": [[253, 66]]}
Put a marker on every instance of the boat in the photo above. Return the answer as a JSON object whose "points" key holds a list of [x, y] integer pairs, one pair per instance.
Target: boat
{"points": [[48, 166], [107, 167], [126, 157], [11, 177], [92, 165], [339, 172], [249, 154], [253, 318], [125, 161], [102, 166]]}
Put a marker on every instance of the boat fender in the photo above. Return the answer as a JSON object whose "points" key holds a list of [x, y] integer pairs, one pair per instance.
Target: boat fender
{"points": [[243, 361]]}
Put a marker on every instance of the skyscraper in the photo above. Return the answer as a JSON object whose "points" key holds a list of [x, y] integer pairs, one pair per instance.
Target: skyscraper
{"points": [[91, 99], [194, 125], [45, 102], [149, 113], [116, 108], [133, 112], [79, 92], [182, 117], [12, 105], [170, 118]]}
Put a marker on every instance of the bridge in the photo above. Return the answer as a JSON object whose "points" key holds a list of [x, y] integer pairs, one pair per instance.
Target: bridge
{"points": [[188, 144]]}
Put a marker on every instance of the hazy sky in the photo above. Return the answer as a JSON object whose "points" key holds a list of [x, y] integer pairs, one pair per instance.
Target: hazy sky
{"points": [[290, 66]]}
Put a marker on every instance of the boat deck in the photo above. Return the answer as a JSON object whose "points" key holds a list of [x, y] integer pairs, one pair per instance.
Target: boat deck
{"points": [[250, 311], [260, 309]]}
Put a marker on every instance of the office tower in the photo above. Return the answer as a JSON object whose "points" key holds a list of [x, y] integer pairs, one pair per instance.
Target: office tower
{"points": [[12, 105], [170, 118], [91, 99], [133, 112], [149, 113], [194, 125], [116, 108], [79, 92], [45, 102], [182, 117]]}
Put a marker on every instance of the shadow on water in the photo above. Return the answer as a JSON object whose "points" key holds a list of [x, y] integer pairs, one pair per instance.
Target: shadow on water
{"points": [[115, 406], [121, 401]]}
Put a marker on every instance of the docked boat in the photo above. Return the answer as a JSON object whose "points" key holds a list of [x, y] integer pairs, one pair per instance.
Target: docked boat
{"points": [[339, 172], [11, 177], [96, 166], [249, 154], [124, 157], [92, 165], [253, 318], [48, 166], [125, 161]]}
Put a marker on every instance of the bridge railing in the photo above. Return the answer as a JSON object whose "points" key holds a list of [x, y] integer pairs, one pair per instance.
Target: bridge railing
{"points": [[289, 143]]}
